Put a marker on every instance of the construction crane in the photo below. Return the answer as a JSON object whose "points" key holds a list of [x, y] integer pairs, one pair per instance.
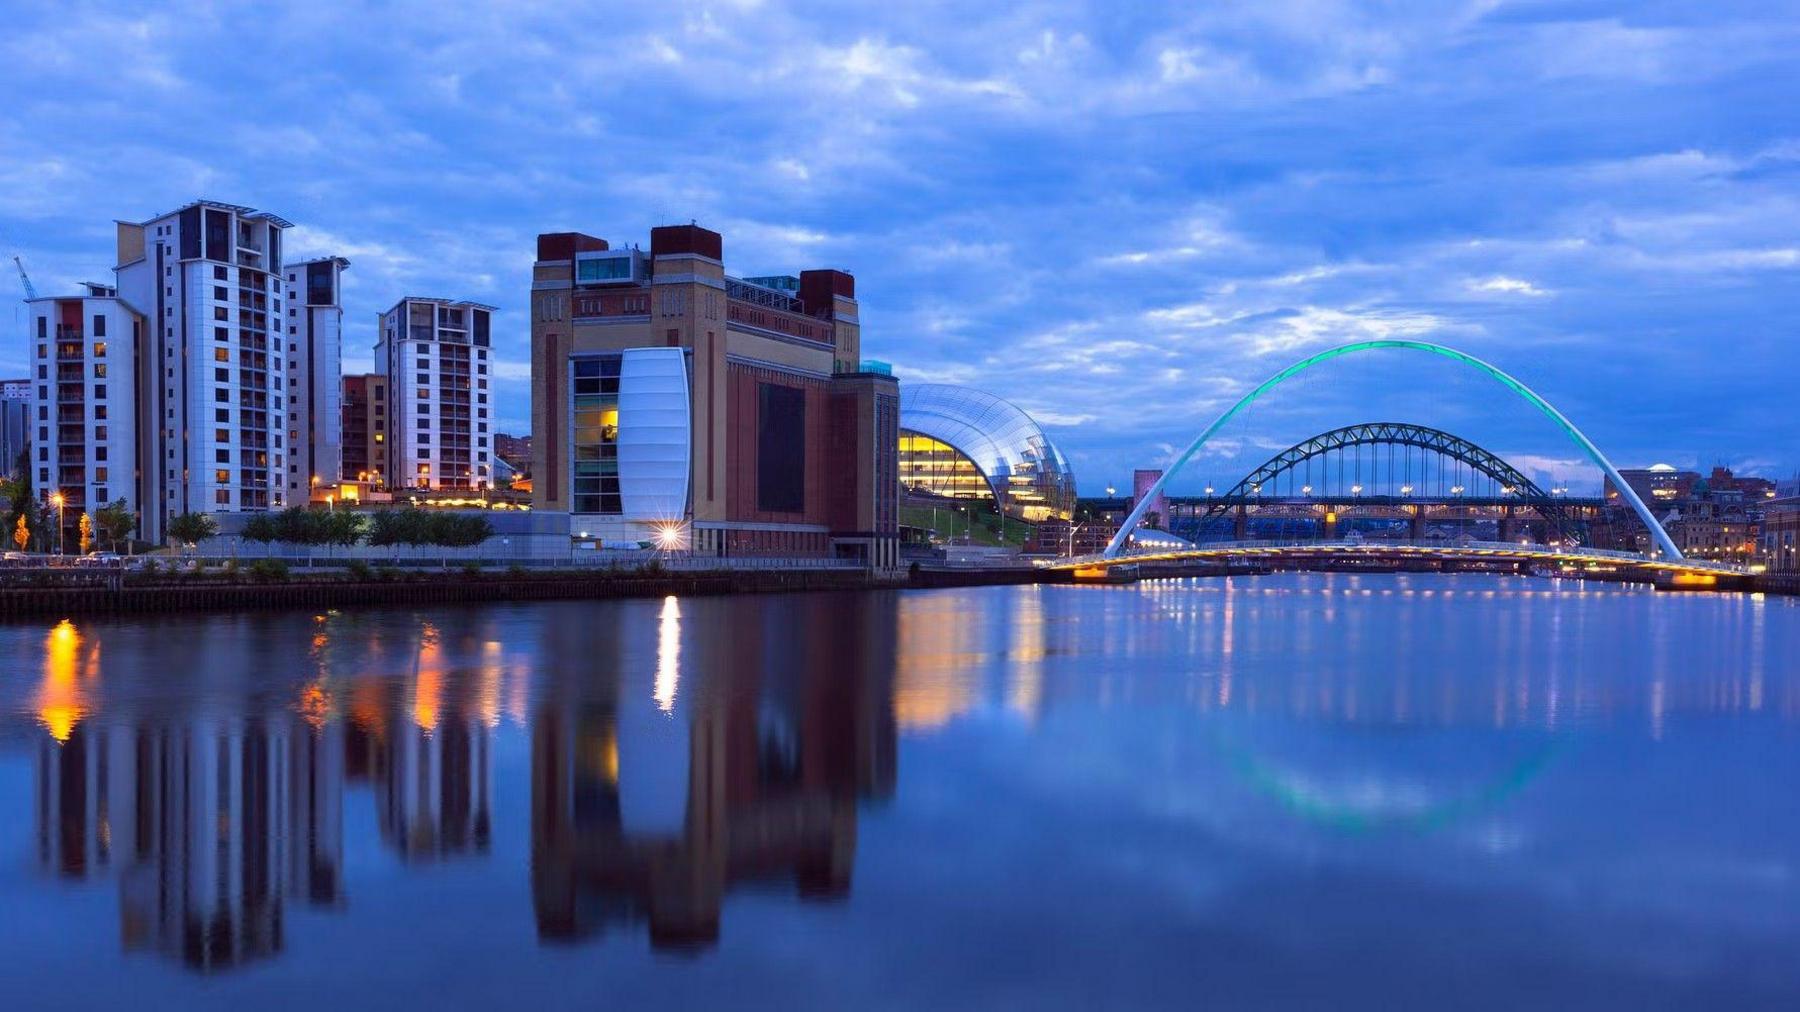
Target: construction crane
{"points": [[24, 278]]}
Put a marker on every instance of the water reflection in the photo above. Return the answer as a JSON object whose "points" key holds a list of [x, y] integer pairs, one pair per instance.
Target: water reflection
{"points": [[1120, 770], [211, 819]]}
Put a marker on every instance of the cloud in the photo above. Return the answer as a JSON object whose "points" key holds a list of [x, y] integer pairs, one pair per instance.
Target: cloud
{"points": [[1502, 284], [1120, 215]]}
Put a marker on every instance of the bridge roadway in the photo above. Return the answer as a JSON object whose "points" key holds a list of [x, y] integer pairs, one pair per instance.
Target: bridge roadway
{"points": [[1676, 572]]}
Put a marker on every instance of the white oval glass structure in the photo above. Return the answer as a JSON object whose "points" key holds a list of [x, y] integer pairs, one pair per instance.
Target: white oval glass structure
{"points": [[653, 435], [964, 443]]}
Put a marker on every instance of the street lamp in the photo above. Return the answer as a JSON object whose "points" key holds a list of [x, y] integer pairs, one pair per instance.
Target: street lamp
{"points": [[57, 501]]}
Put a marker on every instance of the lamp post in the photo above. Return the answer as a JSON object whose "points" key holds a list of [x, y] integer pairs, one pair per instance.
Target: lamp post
{"points": [[57, 500]]}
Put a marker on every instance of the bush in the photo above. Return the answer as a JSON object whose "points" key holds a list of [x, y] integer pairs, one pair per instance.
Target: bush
{"points": [[358, 569], [151, 568], [229, 570], [471, 568], [269, 571], [387, 573], [515, 570]]}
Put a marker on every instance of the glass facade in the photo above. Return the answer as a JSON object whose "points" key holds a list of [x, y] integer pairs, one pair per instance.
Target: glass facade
{"points": [[964, 443], [595, 438]]}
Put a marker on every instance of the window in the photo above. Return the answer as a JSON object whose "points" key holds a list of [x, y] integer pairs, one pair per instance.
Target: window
{"points": [[100, 331], [99, 412], [100, 436], [222, 497], [221, 354], [99, 370], [221, 415], [100, 490], [99, 346], [221, 313], [221, 333], [222, 395], [221, 456], [43, 372], [218, 273], [424, 439], [222, 476], [222, 375], [99, 391], [100, 475], [221, 294]]}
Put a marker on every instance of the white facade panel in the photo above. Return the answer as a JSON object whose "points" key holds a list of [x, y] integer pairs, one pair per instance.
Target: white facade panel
{"points": [[655, 434]]}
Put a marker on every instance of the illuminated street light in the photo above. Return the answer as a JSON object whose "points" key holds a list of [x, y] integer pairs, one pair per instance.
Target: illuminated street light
{"points": [[1356, 490], [1306, 490], [1406, 490], [56, 499], [671, 536], [1456, 490]]}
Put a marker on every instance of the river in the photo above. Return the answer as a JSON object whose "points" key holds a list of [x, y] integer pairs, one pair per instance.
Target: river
{"points": [[1290, 791]]}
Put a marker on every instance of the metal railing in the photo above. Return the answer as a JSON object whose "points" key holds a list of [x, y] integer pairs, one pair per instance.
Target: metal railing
{"points": [[1489, 548]]}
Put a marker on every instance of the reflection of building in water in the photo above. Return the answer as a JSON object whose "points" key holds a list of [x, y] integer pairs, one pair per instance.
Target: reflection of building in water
{"points": [[425, 749], [432, 789], [210, 822], [787, 732]]}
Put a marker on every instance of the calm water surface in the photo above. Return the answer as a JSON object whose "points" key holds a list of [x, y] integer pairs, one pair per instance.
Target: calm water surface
{"points": [[1291, 791]]}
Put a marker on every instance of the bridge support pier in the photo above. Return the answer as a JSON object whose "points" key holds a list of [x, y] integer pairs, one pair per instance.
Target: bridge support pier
{"points": [[1240, 525], [1416, 527]]}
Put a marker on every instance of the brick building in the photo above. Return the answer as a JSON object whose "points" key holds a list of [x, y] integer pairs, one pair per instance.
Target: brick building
{"points": [[674, 402]]}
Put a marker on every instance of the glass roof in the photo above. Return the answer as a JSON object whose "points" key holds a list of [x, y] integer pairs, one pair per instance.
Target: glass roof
{"points": [[1000, 439]]}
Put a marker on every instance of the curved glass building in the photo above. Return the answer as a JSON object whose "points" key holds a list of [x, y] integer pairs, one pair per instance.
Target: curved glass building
{"points": [[967, 444]]}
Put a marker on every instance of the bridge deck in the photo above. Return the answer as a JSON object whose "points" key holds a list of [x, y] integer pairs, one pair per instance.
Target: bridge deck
{"points": [[1474, 550]]}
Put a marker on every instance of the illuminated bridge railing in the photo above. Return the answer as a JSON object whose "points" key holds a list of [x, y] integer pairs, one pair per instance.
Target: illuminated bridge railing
{"points": [[1369, 546]]}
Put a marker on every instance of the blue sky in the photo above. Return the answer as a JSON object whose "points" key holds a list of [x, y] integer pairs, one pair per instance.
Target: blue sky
{"points": [[1119, 215]]}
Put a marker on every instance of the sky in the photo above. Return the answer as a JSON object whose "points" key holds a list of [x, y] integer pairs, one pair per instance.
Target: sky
{"points": [[1119, 215]]}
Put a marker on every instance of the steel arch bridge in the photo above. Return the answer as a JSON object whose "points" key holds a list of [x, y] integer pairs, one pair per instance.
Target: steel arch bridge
{"points": [[1508, 480], [1665, 546]]}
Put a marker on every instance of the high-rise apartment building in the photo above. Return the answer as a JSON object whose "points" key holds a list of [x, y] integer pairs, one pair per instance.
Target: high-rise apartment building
{"points": [[314, 325], [434, 353], [15, 432], [211, 380], [84, 364], [667, 393], [365, 429]]}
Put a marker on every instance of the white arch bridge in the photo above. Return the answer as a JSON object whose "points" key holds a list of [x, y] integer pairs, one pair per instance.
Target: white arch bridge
{"points": [[1665, 561]]}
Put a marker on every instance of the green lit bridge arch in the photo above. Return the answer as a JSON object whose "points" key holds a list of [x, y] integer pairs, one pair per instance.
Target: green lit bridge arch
{"points": [[1665, 547]]}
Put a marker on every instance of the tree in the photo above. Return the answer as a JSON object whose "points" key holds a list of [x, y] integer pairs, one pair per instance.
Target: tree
{"points": [[193, 528], [116, 522], [85, 527], [17, 490], [21, 533], [261, 528]]}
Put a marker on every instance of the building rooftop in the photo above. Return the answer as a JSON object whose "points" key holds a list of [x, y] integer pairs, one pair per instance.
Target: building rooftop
{"points": [[465, 303], [242, 211]]}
